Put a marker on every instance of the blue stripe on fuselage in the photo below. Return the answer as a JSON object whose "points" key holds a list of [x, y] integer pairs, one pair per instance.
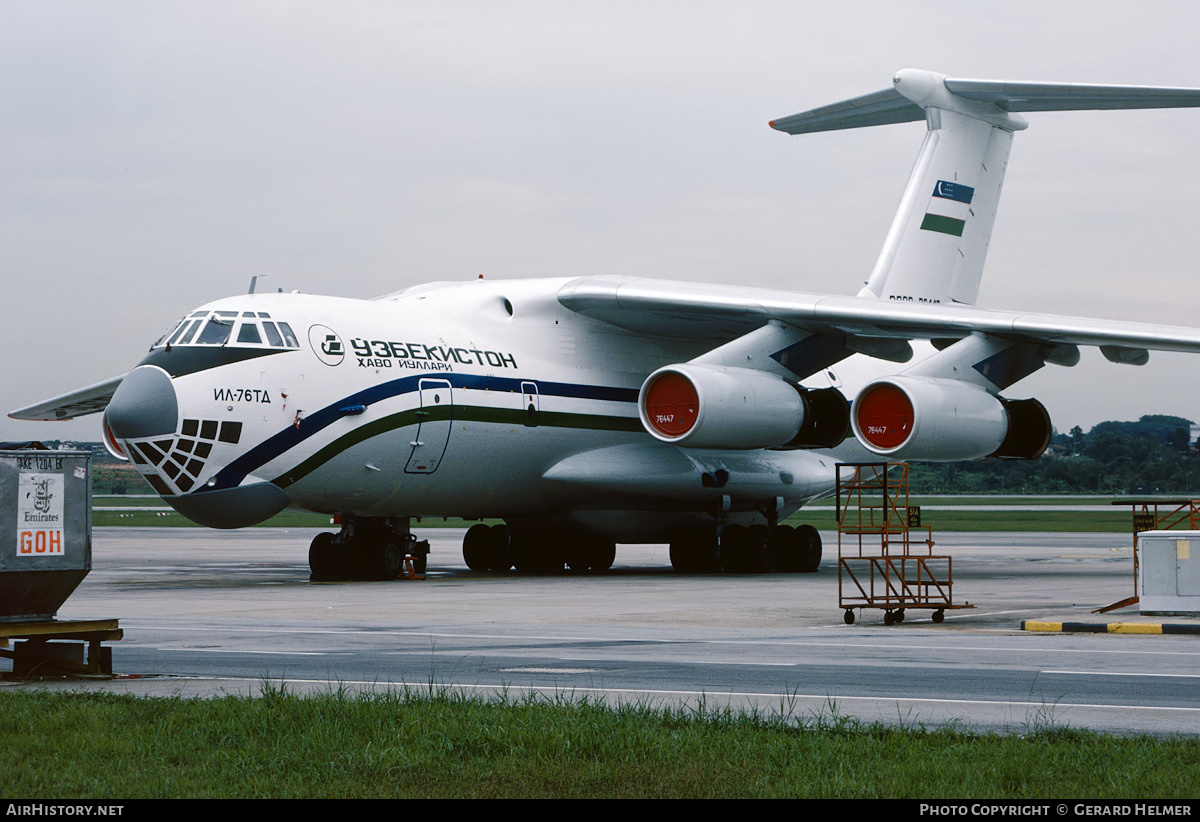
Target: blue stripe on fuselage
{"points": [[232, 474]]}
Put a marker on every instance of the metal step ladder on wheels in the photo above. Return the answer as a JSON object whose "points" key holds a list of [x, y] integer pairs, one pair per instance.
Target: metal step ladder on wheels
{"points": [[885, 556]]}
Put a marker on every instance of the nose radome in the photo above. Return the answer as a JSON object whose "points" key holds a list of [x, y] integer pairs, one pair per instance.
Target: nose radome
{"points": [[144, 405]]}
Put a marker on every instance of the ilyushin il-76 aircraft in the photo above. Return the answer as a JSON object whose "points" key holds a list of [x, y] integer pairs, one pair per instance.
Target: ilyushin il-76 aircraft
{"points": [[587, 411]]}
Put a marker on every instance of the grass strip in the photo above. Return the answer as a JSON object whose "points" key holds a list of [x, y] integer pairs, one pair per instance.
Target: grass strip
{"points": [[434, 743], [1100, 521]]}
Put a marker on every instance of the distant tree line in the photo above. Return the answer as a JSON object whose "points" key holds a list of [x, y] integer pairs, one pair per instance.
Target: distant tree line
{"points": [[1154, 455]]}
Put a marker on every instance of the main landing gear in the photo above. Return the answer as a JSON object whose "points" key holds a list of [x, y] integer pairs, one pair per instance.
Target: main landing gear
{"points": [[497, 548], [754, 549], [366, 548]]}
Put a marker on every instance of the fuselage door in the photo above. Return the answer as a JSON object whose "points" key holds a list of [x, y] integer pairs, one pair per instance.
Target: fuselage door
{"points": [[530, 403], [434, 419]]}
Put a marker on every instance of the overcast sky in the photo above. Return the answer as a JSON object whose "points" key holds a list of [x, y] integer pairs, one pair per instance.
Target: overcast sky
{"points": [[158, 154]]}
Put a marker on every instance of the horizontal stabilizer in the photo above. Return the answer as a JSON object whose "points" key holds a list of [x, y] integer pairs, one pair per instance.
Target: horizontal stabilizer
{"points": [[1012, 96], [90, 400], [879, 108], [913, 91]]}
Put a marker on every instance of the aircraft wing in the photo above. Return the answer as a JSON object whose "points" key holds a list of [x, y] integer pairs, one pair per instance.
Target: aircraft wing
{"points": [[84, 401], [698, 310]]}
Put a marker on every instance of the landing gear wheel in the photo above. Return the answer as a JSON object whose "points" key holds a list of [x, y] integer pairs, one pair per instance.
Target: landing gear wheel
{"points": [[523, 553], [385, 559], [499, 555], [848, 617], [603, 555], [537, 553], [420, 563], [759, 552], [787, 549], [733, 549], [939, 615], [322, 557], [589, 553], [681, 559], [477, 547], [695, 551], [809, 549]]}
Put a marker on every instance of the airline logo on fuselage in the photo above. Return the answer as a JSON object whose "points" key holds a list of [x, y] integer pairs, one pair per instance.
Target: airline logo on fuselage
{"points": [[326, 344], [423, 357]]}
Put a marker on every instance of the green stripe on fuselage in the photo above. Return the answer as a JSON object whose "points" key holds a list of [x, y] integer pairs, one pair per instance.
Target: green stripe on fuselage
{"points": [[459, 413]]}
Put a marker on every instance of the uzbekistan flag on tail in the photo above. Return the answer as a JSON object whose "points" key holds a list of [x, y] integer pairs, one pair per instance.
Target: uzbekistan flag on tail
{"points": [[948, 208]]}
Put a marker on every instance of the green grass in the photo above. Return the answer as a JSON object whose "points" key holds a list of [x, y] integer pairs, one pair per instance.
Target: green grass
{"points": [[1116, 520], [1011, 500], [403, 743], [166, 518]]}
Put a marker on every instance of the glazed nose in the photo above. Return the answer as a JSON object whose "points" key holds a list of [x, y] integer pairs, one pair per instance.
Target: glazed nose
{"points": [[144, 405]]}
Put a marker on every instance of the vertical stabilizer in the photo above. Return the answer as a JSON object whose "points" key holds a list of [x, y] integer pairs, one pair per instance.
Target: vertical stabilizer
{"points": [[934, 251], [938, 240]]}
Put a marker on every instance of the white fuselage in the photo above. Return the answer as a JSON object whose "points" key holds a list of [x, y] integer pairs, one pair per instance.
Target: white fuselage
{"points": [[480, 399]]}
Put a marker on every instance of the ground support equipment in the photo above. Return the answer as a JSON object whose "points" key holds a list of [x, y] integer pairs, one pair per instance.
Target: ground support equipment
{"points": [[56, 647], [884, 562], [1154, 515]]}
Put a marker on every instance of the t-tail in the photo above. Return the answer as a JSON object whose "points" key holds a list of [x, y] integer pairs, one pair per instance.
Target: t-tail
{"points": [[935, 249]]}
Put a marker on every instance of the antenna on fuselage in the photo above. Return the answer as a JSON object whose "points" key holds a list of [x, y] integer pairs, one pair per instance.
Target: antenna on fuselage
{"points": [[254, 282]]}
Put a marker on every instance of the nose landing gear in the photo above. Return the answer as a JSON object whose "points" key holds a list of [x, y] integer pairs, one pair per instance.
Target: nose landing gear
{"points": [[367, 548]]}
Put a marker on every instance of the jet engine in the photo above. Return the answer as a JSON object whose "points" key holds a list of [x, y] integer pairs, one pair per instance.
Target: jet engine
{"points": [[921, 418], [706, 406]]}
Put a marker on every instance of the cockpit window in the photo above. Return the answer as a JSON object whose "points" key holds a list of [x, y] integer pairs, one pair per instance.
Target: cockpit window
{"points": [[216, 332], [192, 328], [289, 339], [227, 328], [272, 334], [188, 326], [248, 333], [162, 340]]}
